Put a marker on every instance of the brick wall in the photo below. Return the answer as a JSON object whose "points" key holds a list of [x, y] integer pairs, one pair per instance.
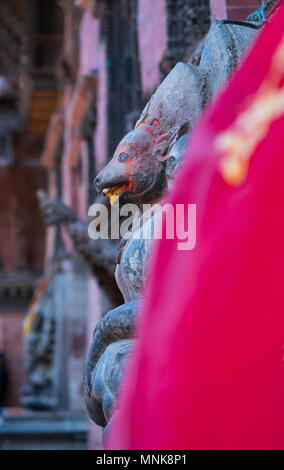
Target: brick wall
{"points": [[232, 9], [11, 325], [21, 225]]}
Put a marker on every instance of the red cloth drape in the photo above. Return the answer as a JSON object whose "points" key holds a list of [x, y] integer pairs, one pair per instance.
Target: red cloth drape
{"points": [[208, 368]]}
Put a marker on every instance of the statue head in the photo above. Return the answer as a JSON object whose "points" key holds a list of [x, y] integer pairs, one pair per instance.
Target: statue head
{"points": [[133, 171], [137, 171]]}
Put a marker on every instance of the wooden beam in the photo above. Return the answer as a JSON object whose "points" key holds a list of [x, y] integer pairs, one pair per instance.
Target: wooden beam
{"points": [[52, 139]]}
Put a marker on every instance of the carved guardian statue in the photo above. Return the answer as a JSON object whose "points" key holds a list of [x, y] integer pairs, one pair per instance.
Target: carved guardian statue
{"points": [[141, 171]]}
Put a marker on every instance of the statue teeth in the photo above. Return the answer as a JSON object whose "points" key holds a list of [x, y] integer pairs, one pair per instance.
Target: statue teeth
{"points": [[113, 198]]}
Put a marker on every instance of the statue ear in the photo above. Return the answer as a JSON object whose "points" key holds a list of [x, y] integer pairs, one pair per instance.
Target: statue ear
{"points": [[167, 140]]}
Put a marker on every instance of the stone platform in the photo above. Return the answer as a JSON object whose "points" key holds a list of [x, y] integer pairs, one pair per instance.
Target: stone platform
{"points": [[26, 430]]}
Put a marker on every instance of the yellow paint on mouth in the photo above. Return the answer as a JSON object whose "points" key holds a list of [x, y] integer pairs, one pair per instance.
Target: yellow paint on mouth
{"points": [[113, 193], [28, 323]]}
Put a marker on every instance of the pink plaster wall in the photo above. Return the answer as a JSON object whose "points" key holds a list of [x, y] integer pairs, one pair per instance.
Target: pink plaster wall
{"points": [[218, 9], [232, 9], [82, 201], [89, 37], [93, 57], [152, 38], [100, 137], [66, 170]]}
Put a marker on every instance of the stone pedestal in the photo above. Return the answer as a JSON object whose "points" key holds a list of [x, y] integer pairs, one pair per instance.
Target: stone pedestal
{"points": [[26, 430]]}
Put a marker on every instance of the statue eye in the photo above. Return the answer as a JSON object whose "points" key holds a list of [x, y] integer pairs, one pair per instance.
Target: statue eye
{"points": [[123, 157]]}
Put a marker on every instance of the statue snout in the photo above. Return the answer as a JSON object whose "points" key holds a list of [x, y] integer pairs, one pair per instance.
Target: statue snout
{"points": [[109, 178], [97, 183]]}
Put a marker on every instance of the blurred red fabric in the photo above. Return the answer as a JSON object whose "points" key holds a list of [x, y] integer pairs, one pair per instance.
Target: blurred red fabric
{"points": [[208, 370]]}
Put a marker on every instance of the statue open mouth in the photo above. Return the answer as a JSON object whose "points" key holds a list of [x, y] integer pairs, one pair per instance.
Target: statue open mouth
{"points": [[113, 192]]}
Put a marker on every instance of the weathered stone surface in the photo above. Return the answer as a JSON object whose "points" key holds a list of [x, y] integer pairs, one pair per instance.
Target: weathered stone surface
{"points": [[223, 49], [47, 430], [109, 350], [54, 339], [39, 347]]}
